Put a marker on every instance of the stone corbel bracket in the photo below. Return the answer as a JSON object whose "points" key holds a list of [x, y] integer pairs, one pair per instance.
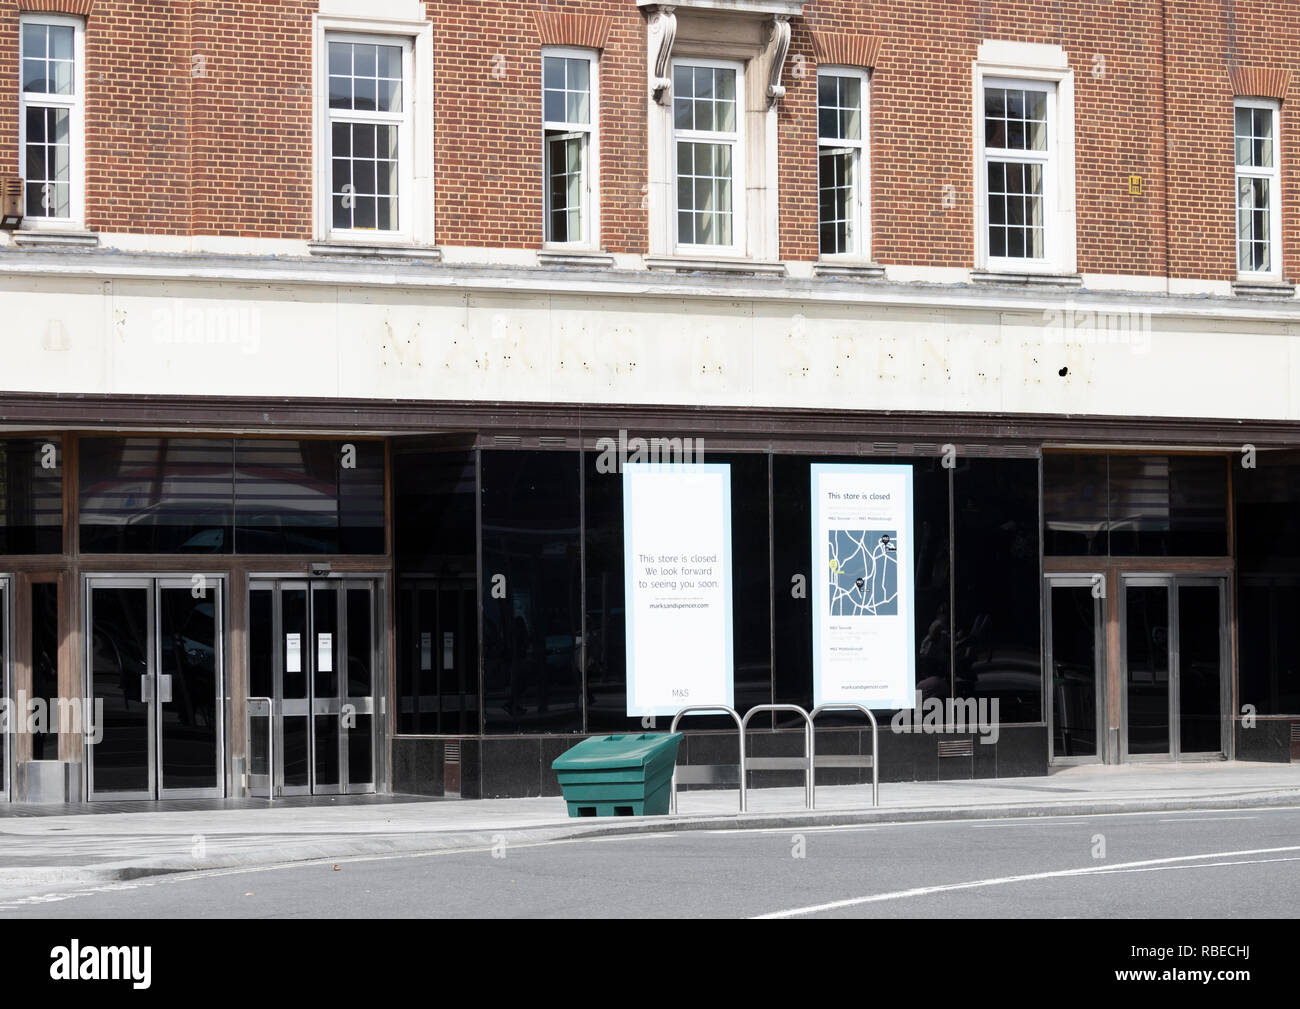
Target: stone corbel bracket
{"points": [[662, 34], [779, 47]]}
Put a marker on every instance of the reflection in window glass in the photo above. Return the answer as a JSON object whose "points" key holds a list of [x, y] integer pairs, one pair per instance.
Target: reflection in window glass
{"points": [[532, 592], [31, 496], [1266, 503], [435, 511], [308, 496], [156, 495], [1074, 505], [997, 639]]}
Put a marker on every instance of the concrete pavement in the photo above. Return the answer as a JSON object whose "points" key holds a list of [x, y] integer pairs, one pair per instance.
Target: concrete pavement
{"points": [[72, 846]]}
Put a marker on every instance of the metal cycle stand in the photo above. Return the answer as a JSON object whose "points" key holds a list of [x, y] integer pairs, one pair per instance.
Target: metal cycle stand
{"points": [[263, 703], [806, 763], [853, 759], [708, 774]]}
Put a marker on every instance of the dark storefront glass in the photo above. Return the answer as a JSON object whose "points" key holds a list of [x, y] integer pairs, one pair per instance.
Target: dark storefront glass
{"points": [[31, 496], [156, 495], [299, 496], [606, 624], [1267, 506], [1075, 505], [792, 553], [532, 591], [751, 585], [1168, 506], [435, 513], [998, 638], [218, 496], [1135, 505], [45, 666]]}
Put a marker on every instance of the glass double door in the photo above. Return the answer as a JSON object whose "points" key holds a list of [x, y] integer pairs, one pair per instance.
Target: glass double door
{"points": [[1166, 664], [312, 661], [1173, 640], [154, 680]]}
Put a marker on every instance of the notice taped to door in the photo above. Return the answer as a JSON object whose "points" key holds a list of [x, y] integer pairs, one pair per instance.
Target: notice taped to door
{"points": [[863, 625], [677, 570]]}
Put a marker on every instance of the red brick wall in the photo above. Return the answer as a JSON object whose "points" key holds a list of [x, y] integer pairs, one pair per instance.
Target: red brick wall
{"points": [[227, 150], [487, 115]]}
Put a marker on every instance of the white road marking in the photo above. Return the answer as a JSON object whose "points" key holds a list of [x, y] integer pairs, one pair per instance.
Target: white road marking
{"points": [[1092, 870], [1206, 819]]}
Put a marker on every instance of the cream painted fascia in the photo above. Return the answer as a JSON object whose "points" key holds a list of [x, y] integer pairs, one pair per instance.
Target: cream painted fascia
{"points": [[376, 19], [1031, 62]]}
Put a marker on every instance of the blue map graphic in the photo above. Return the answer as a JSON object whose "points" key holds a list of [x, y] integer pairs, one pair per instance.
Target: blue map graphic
{"points": [[863, 572]]}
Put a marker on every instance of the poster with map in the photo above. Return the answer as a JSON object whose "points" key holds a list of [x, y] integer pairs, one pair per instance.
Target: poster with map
{"points": [[863, 627]]}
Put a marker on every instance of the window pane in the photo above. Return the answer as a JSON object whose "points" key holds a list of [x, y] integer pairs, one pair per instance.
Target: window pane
{"points": [[156, 495], [61, 38], [578, 74], [999, 642], [340, 60], [553, 73], [530, 534], [34, 40], [390, 62], [364, 57], [31, 497], [390, 96], [34, 76], [553, 106], [340, 93], [836, 201]]}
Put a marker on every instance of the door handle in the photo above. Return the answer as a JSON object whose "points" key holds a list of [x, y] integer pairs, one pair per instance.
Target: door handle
{"points": [[164, 688], [146, 687]]}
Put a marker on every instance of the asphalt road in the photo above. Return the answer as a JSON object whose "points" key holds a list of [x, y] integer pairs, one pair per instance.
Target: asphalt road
{"points": [[1212, 864]]}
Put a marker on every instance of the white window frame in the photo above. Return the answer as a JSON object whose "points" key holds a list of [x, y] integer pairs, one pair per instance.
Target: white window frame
{"points": [[590, 230], [739, 154], [860, 219], [1048, 159], [1017, 64], [76, 106], [415, 178], [1274, 175]]}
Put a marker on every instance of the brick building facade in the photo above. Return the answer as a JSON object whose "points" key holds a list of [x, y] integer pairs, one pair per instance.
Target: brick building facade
{"points": [[1053, 241]]}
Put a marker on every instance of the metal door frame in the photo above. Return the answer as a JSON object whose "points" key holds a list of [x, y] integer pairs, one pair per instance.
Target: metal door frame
{"points": [[140, 583], [6, 685], [360, 705], [1171, 583], [219, 658], [1086, 580], [153, 584], [311, 706]]}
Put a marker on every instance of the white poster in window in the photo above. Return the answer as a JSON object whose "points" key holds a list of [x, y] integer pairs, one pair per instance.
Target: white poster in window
{"points": [[863, 624], [293, 653], [426, 651], [448, 649], [325, 653], [677, 570]]}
